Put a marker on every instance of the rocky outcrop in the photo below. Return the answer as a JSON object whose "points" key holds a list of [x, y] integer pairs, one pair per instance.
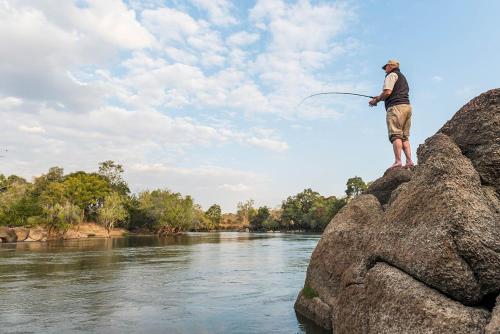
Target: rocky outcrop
{"points": [[7, 234], [314, 308], [494, 325], [475, 129], [383, 187], [22, 233], [419, 252], [39, 233], [394, 302]]}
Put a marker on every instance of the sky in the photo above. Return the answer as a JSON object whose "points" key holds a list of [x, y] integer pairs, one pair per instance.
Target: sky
{"points": [[200, 96]]}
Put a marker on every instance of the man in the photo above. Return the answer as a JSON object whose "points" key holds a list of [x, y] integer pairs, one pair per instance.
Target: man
{"points": [[398, 117]]}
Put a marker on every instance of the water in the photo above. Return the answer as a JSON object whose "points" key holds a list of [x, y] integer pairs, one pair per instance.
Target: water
{"points": [[194, 283]]}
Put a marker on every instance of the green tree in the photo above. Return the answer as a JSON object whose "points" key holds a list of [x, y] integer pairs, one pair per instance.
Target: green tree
{"points": [[214, 214], [170, 212], [54, 175], [262, 216], [112, 211], [245, 212], [61, 216], [113, 172], [355, 186], [200, 220], [16, 202], [139, 217], [296, 209], [87, 191]]}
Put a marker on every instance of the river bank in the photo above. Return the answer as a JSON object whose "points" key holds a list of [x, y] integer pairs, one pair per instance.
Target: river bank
{"points": [[93, 230], [39, 233]]}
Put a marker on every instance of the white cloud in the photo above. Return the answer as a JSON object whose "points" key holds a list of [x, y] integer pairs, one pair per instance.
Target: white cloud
{"points": [[270, 144], [10, 102], [242, 38], [437, 78], [239, 187], [170, 24], [64, 37], [202, 171], [31, 129], [219, 11]]}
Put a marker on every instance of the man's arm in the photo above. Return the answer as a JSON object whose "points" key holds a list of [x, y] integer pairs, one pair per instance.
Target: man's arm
{"points": [[389, 82], [384, 95]]}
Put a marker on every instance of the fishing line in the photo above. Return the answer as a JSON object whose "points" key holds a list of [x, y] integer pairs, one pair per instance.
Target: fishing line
{"points": [[331, 93]]}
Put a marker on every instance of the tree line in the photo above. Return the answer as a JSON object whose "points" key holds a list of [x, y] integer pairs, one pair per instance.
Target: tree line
{"points": [[305, 211], [59, 201]]}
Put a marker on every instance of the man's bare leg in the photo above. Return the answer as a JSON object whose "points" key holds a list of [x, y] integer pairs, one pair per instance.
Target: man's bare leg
{"points": [[407, 151], [397, 146]]}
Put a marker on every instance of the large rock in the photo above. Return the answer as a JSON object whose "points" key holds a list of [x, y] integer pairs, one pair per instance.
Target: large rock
{"points": [[314, 308], [443, 228], [7, 234], [393, 302], [494, 325], [72, 234], [37, 234], [475, 129], [92, 230], [423, 246], [383, 187], [22, 233]]}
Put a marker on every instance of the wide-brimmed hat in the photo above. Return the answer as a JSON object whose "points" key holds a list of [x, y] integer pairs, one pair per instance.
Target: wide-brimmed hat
{"points": [[391, 62]]}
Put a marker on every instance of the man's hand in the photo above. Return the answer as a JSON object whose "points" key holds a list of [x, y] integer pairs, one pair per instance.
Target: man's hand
{"points": [[373, 102]]}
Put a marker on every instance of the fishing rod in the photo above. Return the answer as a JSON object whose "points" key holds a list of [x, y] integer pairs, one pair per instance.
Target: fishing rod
{"points": [[332, 93]]}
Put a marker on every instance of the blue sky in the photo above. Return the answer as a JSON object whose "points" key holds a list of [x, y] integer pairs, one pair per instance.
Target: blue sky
{"points": [[201, 96]]}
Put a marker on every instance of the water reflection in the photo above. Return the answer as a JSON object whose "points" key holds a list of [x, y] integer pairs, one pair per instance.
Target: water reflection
{"points": [[194, 283]]}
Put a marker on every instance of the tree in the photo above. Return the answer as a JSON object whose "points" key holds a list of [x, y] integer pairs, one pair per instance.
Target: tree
{"points": [[170, 212], [112, 211], [87, 191], [16, 202], [54, 175], [61, 216], [262, 215], [296, 208], [355, 186], [214, 214], [200, 220], [113, 172], [245, 212], [52, 194]]}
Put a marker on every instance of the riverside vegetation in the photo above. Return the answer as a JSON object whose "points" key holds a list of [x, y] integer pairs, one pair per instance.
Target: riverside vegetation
{"points": [[58, 202]]}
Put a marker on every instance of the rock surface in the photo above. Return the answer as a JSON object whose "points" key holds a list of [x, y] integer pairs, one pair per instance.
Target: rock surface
{"points": [[394, 302], [22, 233], [475, 129], [315, 309], [383, 187], [494, 325], [39, 233], [7, 234], [419, 252]]}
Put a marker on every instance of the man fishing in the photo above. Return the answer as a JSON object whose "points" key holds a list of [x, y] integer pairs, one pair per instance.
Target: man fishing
{"points": [[398, 116]]}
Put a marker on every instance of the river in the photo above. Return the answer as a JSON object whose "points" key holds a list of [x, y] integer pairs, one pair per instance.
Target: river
{"points": [[224, 282]]}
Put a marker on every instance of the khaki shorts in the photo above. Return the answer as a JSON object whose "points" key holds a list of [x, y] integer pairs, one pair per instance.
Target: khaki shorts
{"points": [[398, 122]]}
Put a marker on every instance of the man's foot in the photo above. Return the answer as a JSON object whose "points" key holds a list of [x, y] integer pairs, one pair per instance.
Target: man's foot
{"points": [[395, 165], [409, 165]]}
